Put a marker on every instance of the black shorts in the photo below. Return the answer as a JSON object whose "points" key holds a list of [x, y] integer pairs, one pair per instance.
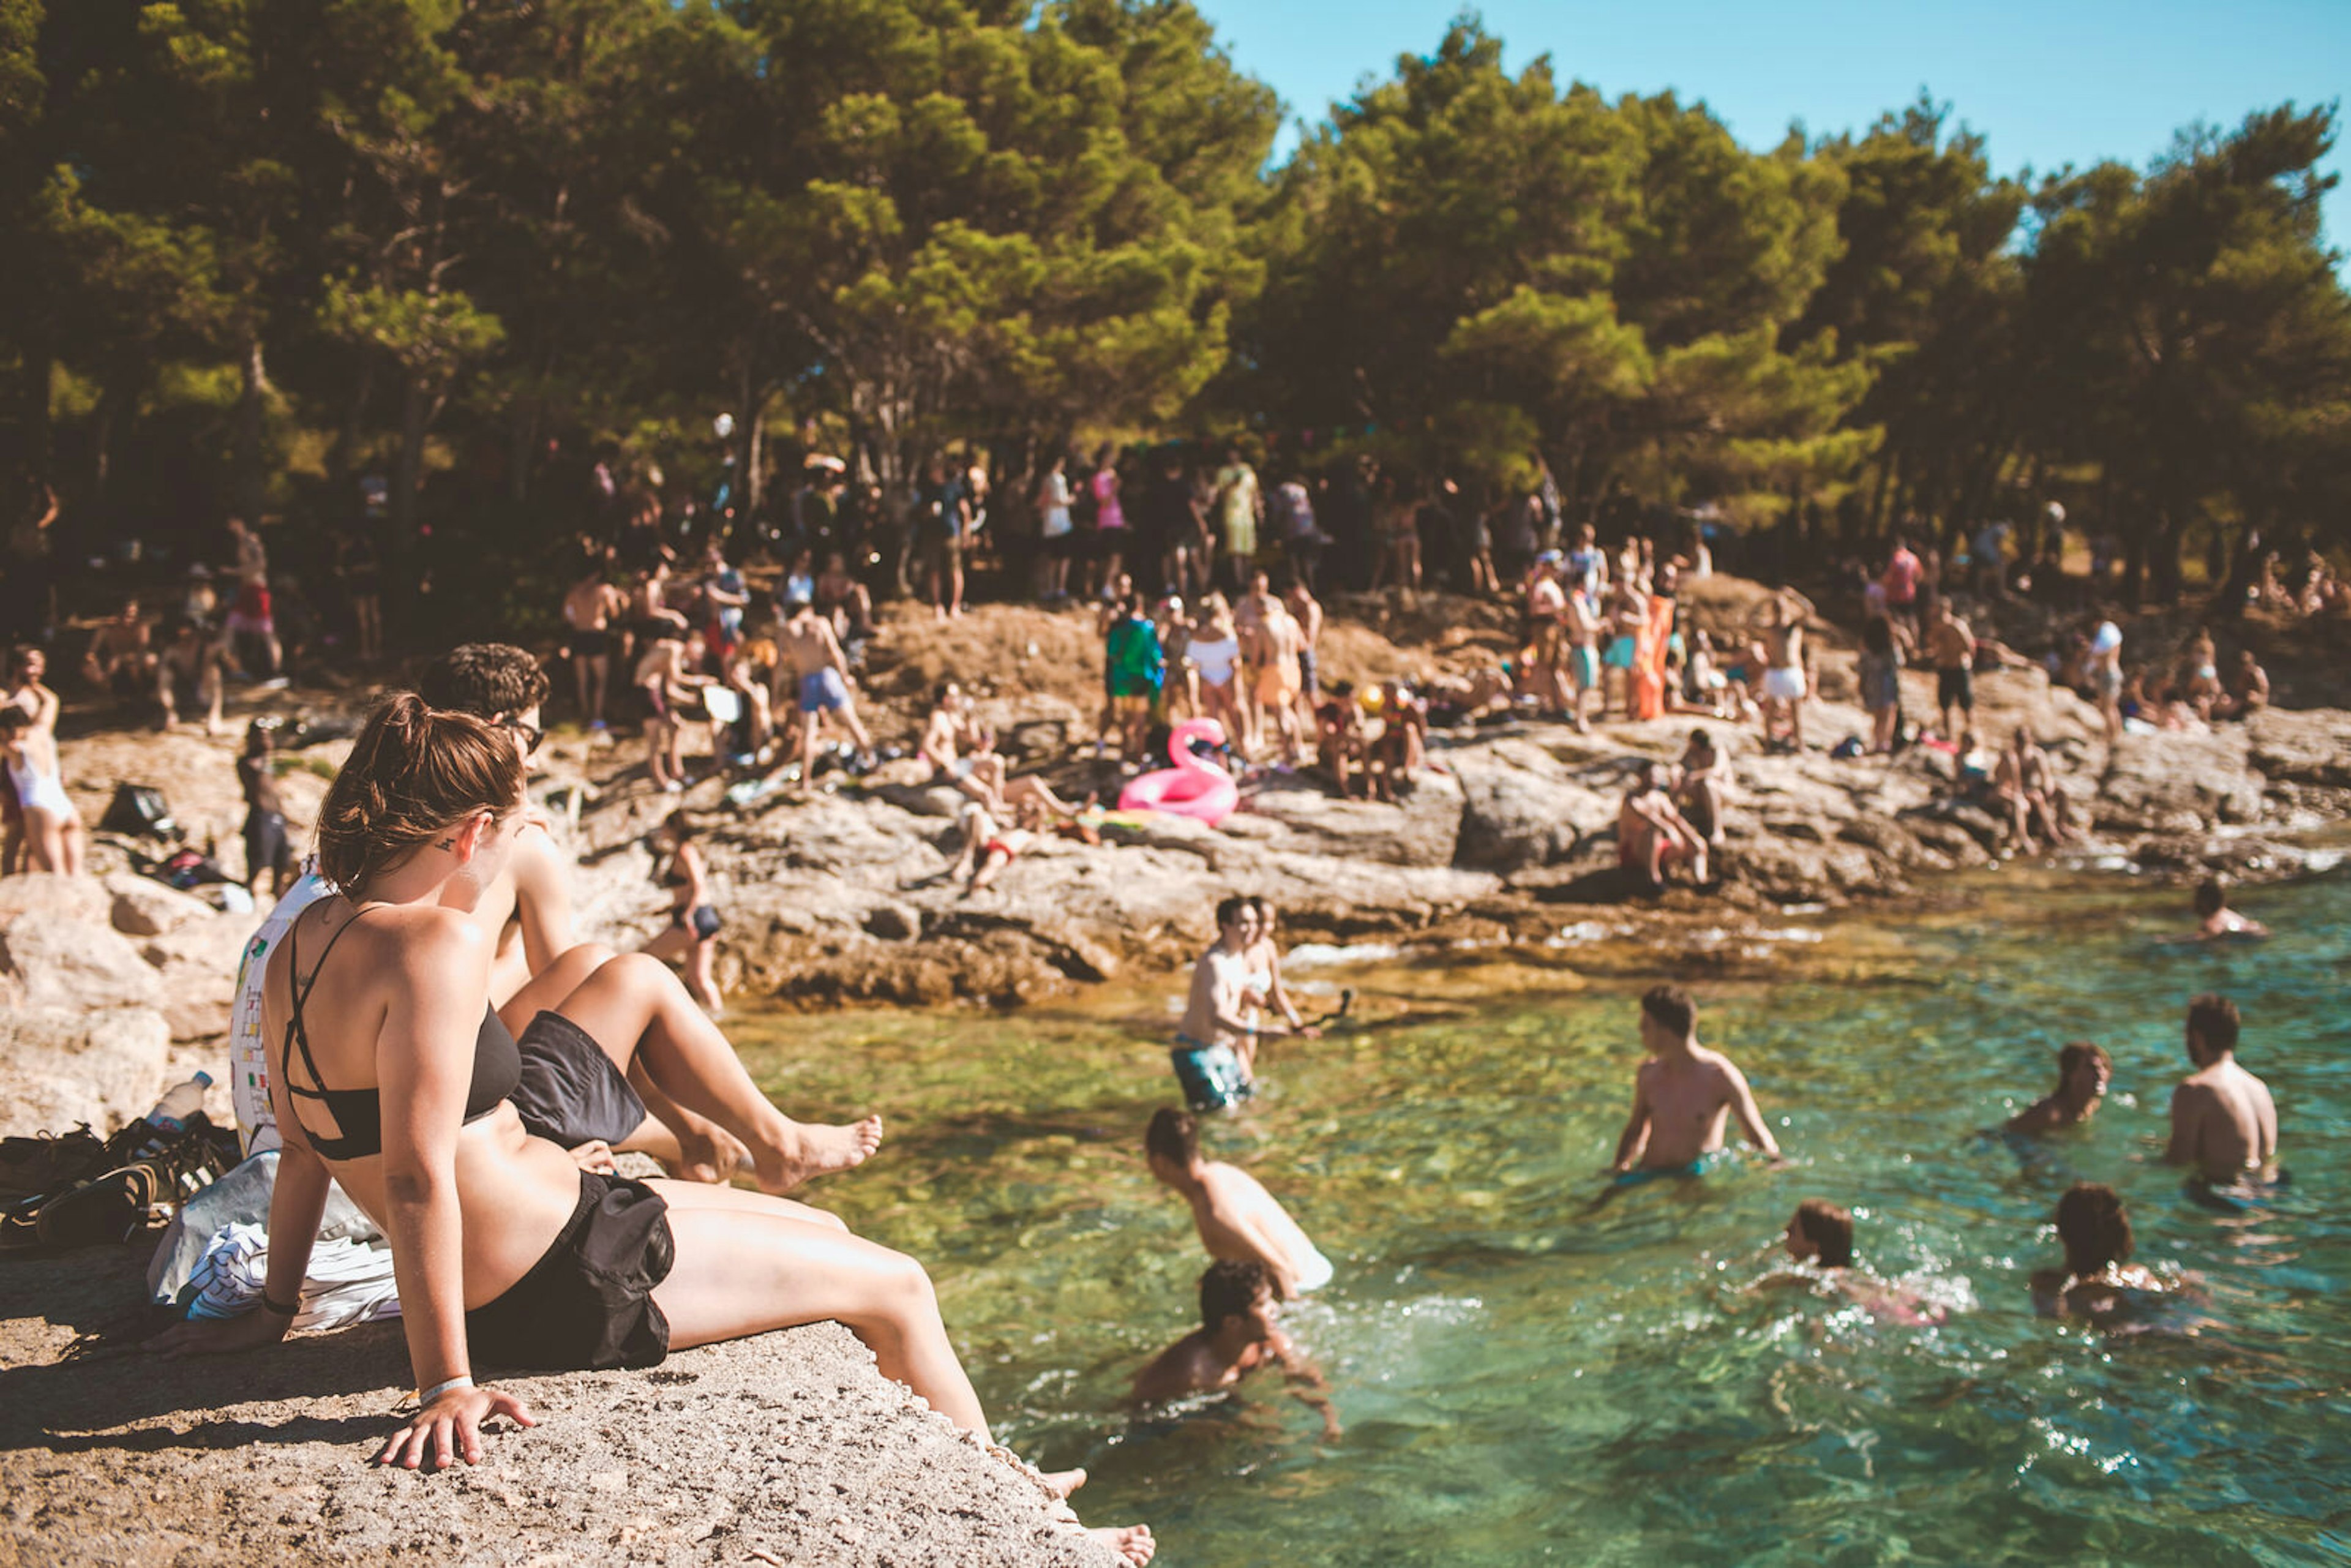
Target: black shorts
{"points": [[570, 1093], [590, 645], [702, 920], [587, 1305], [1955, 688], [267, 847]]}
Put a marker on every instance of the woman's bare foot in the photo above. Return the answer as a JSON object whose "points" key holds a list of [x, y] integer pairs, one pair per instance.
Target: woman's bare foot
{"points": [[1061, 1483], [713, 1158], [810, 1150], [1132, 1542]]}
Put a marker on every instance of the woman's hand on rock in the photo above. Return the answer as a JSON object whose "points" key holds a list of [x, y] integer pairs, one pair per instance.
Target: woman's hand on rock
{"points": [[449, 1429], [215, 1336]]}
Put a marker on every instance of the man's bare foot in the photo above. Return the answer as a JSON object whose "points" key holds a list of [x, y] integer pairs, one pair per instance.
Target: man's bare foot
{"points": [[1133, 1543], [712, 1159], [1061, 1483], [810, 1150]]}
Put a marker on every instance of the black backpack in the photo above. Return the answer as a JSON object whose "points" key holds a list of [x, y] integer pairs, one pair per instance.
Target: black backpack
{"points": [[139, 811]]}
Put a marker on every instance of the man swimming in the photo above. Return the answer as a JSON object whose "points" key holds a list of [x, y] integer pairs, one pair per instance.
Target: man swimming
{"points": [[1240, 1332], [2084, 1070], [1818, 1239], [2215, 919], [2099, 1281], [2224, 1122], [1218, 1042], [1682, 1095], [1238, 1220]]}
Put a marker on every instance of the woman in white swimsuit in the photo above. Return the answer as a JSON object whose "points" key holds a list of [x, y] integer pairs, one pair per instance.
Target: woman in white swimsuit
{"points": [[1215, 651], [53, 830]]}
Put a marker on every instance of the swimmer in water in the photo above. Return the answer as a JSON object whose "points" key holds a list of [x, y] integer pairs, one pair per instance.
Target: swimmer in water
{"points": [[2099, 1279], [2084, 1070], [1238, 1220], [1820, 1237], [2215, 919], [1682, 1096], [2224, 1122], [1240, 1332]]}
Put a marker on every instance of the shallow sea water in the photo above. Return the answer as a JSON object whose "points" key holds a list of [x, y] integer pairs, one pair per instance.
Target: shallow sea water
{"points": [[1523, 1380]]}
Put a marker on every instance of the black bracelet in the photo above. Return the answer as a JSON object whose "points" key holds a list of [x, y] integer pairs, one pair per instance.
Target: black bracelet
{"points": [[281, 1309]]}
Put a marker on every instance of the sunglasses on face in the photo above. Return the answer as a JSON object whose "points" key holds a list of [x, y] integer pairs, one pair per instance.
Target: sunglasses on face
{"points": [[531, 734]]}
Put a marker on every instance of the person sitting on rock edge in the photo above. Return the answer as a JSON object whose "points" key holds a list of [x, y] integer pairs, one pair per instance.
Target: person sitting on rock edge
{"points": [[1239, 1334], [1237, 1218], [502, 1246], [1652, 833]]}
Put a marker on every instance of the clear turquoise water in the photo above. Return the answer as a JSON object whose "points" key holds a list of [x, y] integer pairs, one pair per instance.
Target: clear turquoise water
{"points": [[1523, 1382]]}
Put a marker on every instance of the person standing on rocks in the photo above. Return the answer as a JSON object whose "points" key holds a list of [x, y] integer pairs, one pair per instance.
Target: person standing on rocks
{"points": [[1951, 646], [53, 839], [590, 610], [2224, 1124], [2106, 678], [267, 847], [249, 613], [1682, 1096], [1134, 668], [821, 673], [1784, 682], [1240, 506], [504, 1247], [1217, 1043]]}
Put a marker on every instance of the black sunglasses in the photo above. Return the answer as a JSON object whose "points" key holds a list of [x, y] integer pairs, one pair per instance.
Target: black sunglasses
{"points": [[531, 734]]}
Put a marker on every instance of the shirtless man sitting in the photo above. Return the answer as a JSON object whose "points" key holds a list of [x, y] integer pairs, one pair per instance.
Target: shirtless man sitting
{"points": [[2215, 919], [1238, 1220], [2224, 1122], [811, 656], [2084, 1070], [1698, 794], [1652, 833], [1240, 1332], [2025, 787], [962, 752], [121, 659], [1682, 1096]]}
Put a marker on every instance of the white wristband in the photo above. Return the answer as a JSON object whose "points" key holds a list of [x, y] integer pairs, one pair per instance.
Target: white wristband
{"points": [[427, 1395]]}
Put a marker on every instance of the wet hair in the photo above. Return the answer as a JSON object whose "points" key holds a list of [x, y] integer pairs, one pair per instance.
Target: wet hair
{"points": [[414, 772], [1174, 1135], [2094, 1228], [1230, 1289], [1229, 909], [2210, 897], [1671, 1006], [2076, 1052], [2213, 1017], [1828, 1227], [484, 679]]}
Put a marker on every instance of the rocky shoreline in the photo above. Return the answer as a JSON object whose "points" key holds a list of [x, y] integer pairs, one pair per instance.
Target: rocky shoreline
{"points": [[113, 986]]}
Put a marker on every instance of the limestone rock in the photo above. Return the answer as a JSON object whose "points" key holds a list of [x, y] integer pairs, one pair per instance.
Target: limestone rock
{"points": [[1519, 807], [144, 907], [103, 1066], [64, 962]]}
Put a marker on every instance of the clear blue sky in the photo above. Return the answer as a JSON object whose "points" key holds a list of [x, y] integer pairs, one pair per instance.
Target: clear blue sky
{"points": [[2047, 84]]}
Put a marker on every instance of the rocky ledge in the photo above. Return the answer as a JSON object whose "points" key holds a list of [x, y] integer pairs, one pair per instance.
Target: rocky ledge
{"points": [[789, 1448]]}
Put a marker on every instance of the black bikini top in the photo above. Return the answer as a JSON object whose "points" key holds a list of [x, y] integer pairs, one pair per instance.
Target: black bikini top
{"points": [[497, 1069]]}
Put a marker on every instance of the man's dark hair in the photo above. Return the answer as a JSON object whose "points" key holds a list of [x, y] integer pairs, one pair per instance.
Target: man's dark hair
{"points": [[2210, 897], [2213, 1018], [13, 718], [1672, 1008], [2094, 1228], [2076, 1052], [1230, 1289], [1174, 1135], [485, 679], [1229, 909], [1828, 1227]]}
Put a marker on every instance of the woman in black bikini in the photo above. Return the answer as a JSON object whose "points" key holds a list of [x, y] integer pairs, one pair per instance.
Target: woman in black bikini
{"points": [[691, 938], [502, 1246]]}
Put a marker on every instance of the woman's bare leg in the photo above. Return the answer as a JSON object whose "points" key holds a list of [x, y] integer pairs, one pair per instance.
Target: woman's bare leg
{"points": [[639, 1012], [701, 973]]}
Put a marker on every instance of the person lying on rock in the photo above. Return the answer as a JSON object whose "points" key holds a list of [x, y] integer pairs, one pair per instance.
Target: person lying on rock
{"points": [[962, 751], [646, 1073], [1240, 1332], [1238, 1220], [1682, 1097], [988, 848], [395, 1078], [2084, 1070]]}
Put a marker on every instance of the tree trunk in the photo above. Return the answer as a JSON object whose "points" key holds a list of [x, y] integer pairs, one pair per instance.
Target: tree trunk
{"points": [[249, 482], [415, 414], [347, 437], [524, 434], [102, 451]]}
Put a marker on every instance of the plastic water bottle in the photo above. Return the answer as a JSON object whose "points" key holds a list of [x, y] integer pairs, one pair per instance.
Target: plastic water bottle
{"points": [[172, 1112]]}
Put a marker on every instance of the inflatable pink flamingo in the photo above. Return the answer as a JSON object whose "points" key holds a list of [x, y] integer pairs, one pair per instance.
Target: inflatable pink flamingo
{"points": [[1201, 790]]}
